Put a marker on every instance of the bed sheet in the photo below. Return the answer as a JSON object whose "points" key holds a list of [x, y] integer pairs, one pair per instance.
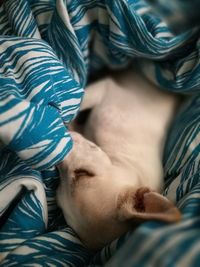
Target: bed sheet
{"points": [[48, 51]]}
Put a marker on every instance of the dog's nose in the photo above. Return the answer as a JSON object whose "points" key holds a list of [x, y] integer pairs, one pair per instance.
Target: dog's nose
{"points": [[76, 137]]}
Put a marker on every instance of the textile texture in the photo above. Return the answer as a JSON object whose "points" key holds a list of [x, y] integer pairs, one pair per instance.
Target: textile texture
{"points": [[48, 51]]}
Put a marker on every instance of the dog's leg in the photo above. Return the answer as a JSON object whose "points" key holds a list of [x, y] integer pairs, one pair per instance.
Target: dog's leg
{"points": [[93, 94], [92, 97]]}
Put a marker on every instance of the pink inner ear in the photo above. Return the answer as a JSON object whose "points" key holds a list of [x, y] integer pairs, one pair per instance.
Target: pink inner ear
{"points": [[151, 205], [139, 199]]}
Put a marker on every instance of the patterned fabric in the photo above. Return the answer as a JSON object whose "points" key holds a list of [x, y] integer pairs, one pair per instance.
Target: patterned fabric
{"points": [[48, 49], [180, 15]]}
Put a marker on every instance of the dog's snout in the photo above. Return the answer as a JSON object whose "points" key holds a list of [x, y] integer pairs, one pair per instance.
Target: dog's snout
{"points": [[81, 140], [93, 146], [76, 137]]}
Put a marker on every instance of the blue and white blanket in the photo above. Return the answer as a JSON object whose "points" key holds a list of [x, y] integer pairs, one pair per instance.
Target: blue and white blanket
{"points": [[48, 49]]}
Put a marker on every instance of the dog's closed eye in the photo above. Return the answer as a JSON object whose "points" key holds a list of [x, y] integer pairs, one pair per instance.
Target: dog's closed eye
{"points": [[79, 173], [78, 176]]}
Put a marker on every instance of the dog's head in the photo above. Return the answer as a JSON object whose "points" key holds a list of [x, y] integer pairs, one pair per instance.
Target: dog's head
{"points": [[101, 201]]}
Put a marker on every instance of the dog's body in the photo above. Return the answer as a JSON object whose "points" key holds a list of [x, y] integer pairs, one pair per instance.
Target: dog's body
{"points": [[112, 179]]}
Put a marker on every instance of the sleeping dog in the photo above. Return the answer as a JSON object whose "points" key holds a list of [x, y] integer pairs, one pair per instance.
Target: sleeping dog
{"points": [[112, 177]]}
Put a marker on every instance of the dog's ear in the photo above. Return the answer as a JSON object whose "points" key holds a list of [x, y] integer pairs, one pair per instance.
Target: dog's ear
{"points": [[144, 205]]}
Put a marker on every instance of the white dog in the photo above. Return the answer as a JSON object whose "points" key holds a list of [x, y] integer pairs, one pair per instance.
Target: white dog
{"points": [[110, 182]]}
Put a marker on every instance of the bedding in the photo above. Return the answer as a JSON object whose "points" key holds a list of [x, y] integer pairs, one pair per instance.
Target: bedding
{"points": [[48, 51]]}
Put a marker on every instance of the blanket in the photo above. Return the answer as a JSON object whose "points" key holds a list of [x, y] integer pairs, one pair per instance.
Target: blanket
{"points": [[48, 51]]}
